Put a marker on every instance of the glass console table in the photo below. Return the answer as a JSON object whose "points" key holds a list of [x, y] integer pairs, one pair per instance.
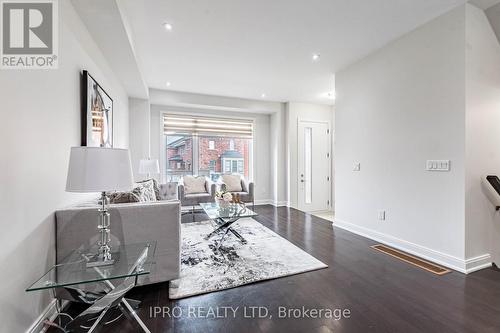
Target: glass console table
{"points": [[224, 217], [66, 278]]}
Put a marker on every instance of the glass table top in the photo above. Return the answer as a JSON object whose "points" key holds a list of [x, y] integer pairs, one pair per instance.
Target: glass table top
{"points": [[73, 270], [215, 211]]}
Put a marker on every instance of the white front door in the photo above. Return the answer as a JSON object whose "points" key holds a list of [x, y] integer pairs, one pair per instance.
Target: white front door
{"points": [[314, 181]]}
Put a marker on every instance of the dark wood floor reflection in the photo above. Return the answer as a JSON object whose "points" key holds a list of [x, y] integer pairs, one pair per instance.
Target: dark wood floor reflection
{"points": [[382, 294]]}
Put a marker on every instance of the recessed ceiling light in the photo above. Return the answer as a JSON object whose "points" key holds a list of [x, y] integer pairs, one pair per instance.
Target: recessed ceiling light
{"points": [[168, 26], [263, 95], [168, 84], [316, 56]]}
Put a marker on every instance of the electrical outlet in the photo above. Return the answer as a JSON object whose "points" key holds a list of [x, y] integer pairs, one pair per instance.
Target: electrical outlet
{"points": [[381, 215]]}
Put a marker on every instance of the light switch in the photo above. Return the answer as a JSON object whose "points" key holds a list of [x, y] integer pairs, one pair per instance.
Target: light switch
{"points": [[438, 165], [357, 166]]}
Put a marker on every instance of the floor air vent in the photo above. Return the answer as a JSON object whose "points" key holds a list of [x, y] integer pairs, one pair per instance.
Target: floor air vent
{"points": [[423, 264]]}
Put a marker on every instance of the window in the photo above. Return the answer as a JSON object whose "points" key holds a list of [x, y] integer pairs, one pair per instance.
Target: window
{"points": [[207, 147], [234, 165], [212, 165]]}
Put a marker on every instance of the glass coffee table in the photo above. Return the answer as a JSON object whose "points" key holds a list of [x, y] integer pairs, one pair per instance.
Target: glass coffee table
{"points": [[67, 279], [224, 217]]}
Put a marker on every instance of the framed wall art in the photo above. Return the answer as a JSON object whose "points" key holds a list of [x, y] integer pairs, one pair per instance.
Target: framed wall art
{"points": [[97, 114]]}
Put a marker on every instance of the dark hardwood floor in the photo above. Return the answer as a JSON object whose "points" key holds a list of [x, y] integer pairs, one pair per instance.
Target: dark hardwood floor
{"points": [[382, 294]]}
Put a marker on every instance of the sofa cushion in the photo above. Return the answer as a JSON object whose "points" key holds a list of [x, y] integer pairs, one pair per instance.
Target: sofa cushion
{"points": [[194, 185], [233, 183], [196, 198], [168, 191]]}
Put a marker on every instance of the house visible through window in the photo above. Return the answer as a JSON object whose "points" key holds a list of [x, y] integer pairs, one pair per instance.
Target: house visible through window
{"points": [[206, 147], [179, 156]]}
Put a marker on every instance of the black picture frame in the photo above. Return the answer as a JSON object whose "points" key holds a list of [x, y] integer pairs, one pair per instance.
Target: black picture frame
{"points": [[97, 113]]}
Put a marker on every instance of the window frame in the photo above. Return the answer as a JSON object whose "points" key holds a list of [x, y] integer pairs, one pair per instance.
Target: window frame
{"points": [[195, 141]]}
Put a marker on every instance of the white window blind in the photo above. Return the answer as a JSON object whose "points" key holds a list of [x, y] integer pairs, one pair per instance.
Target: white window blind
{"points": [[190, 125]]}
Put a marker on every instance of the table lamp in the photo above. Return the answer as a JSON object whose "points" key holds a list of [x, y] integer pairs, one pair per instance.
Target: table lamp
{"points": [[97, 169], [148, 167]]}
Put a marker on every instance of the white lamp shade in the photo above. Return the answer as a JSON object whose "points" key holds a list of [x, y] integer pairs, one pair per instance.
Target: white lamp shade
{"points": [[149, 166], [96, 169]]}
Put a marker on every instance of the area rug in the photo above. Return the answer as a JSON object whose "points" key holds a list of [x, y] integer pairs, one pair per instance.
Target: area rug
{"points": [[206, 268]]}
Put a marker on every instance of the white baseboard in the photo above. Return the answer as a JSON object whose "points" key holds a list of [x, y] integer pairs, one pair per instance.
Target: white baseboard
{"points": [[271, 202], [261, 202], [50, 312], [458, 264], [478, 263]]}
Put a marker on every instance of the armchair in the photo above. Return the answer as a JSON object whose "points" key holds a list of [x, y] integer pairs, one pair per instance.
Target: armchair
{"points": [[189, 197], [247, 189]]}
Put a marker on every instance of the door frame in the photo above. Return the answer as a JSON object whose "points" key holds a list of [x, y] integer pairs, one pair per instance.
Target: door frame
{"points": [[329, 150]]}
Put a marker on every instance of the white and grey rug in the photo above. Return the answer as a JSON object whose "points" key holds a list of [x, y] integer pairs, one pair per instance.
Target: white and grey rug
{"points": [[204, 268]]}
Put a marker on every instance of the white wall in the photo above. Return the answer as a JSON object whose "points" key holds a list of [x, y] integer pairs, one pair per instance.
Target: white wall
{"points": [[140, 120], [278, 137], [294, 113], [395, 109], [40, 113], [482, 134]]}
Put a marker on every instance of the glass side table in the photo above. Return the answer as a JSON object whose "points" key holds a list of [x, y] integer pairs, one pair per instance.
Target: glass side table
{"points": [[67, 278]]}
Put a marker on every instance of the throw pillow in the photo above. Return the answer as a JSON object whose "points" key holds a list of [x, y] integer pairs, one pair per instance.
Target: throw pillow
{"points": [[147, 191], [194, 185], [233, 183], [123, 197], [156, 187]]}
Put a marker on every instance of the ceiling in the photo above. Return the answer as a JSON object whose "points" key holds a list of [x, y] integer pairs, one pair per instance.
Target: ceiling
{"points": [[245, 49]]}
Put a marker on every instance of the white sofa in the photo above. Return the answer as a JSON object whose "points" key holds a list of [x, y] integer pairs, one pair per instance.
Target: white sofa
{"points": [[130, 223]]}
